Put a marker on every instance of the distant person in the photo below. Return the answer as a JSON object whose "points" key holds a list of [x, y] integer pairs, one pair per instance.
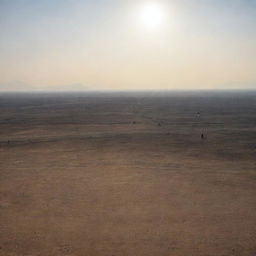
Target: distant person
{"points": [[202, 136], [8, 142]]}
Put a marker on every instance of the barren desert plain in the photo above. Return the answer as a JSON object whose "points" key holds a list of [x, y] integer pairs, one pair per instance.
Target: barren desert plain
{"points": [[128, 174]]}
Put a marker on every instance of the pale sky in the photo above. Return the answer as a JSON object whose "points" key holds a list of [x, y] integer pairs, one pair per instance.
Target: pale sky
{"points": [[108, 45]]}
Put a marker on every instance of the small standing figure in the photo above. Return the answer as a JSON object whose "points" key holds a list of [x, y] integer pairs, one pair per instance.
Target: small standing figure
{"points": [[202, 136], [8, 142]]}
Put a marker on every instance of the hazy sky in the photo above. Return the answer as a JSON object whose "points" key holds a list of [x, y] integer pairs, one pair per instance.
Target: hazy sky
{"points": [[103, 44]]}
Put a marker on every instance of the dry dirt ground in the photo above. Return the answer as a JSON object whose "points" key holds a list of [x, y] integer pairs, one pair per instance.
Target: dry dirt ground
{"points": [[128, 175]]}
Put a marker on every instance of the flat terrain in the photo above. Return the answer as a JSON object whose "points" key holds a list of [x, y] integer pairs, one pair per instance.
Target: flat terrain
{"points": [[128, 175]]}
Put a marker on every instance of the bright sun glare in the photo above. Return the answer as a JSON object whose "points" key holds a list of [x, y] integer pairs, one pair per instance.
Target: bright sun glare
{"points": [[152, 15]]}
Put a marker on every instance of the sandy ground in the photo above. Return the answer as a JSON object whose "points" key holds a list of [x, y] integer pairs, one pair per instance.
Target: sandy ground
{"points": [[117, 175]]}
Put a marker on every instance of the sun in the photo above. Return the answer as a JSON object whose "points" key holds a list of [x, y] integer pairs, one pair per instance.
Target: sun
{"points": [[152, 15]]}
